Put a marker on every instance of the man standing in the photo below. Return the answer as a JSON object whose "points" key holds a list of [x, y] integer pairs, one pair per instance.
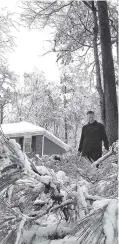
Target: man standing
{"points": [[92, 136]]}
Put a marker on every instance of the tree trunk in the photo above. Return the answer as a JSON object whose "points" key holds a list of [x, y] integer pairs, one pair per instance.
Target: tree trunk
{"points": [[65, 119], [117, 51], [76, 130], [66, 132], [96, 57], [111, 110], [1, 114], [56, 129]]}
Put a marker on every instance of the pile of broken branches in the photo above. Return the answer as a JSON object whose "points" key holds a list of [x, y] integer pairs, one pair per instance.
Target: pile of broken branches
{"points": [[39, 204]]}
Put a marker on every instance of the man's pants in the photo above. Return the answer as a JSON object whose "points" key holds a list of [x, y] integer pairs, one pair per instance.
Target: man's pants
{"points": [[92, 156]]}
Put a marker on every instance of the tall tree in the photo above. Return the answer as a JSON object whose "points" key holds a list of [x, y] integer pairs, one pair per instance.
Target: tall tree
{"points": [[65, 118], [97, 63], [7, 81], [113, 22], [99, 87], [111, 111], [76, 34]]}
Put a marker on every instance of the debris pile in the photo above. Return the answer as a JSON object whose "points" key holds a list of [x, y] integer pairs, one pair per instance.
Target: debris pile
{"points": [[69, 202]]}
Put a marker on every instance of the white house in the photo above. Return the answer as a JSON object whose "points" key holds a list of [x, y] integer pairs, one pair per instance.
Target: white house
{"points": [[33, 138]]}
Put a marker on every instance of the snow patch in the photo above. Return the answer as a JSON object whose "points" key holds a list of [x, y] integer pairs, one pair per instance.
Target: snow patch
{"points": [[46, 179], [42, 170], [61, 177]]}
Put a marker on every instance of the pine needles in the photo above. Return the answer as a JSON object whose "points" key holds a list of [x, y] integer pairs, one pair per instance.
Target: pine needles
{"points": [[29, 196]]}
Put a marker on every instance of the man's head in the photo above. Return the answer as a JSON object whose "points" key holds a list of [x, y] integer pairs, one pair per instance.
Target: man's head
{"points": [[90, 116]]}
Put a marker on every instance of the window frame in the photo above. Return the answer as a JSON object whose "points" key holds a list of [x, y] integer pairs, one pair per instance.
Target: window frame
{"points": [[26, 138]]}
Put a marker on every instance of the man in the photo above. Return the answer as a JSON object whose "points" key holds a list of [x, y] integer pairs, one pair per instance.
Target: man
{"points": [[92, 136]]}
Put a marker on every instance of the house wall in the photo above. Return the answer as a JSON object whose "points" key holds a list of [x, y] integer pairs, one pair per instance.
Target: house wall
{"points": [[36, 143], [49, 146], [52, 148]]}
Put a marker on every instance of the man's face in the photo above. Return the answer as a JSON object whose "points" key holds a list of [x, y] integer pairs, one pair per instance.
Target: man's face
{"points": [[90, 118]]}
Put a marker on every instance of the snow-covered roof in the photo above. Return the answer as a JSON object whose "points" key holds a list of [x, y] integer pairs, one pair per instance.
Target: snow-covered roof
{"points": [[25, 128], [21, 128]]}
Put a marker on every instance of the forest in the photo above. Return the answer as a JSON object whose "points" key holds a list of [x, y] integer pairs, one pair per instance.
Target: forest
{"points": [[67, 200]]}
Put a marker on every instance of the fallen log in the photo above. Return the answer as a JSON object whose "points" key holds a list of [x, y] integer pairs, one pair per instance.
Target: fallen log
{"points": [[100, 160]]}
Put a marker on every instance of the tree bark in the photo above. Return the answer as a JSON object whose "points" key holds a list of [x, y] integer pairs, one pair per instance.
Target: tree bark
{"points": [[117, 49], [111, 110], [97, 63], [66, 133], [65, 119], [76, 130], [1, 114]]}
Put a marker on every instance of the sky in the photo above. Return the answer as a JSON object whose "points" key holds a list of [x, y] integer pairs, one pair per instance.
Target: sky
{"points": [[29, 49]]}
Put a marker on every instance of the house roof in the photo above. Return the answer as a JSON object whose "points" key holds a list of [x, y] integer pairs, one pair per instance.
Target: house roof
{"points": [[26, 128]]}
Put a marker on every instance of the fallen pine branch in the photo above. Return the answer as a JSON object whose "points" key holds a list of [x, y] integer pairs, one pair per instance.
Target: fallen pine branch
{"points": [[82, 174], [67, 202], [51, 209], [62, 200], [20, 229], [37, 215], [93, 198]]}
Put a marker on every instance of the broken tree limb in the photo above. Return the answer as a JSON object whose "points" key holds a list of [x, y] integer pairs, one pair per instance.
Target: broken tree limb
{"points": [[82, 173], [100, 160], [67, 202], [93, 198], [20, 229], [51, 209]]}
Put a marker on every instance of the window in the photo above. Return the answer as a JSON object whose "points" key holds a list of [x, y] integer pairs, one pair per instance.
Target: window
{"points": [[33, 144], [27, 144], [20, 141]]}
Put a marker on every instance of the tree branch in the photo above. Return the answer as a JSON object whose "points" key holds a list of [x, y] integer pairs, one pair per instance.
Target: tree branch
{"points": [[100, 160], [67, 202], [89, 6]]}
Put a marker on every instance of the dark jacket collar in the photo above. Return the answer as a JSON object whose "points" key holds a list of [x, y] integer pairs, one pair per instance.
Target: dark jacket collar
{"points": [[95, 122]]}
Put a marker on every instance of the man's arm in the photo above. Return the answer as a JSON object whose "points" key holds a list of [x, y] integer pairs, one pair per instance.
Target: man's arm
{"points": [[104, 138], [81, 141]]}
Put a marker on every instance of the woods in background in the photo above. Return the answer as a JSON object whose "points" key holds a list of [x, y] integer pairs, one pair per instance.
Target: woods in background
{"points": [[85, 41]]}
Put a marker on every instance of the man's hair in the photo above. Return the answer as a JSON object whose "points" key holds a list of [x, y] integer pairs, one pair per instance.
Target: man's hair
{"points": [[90, 112]]}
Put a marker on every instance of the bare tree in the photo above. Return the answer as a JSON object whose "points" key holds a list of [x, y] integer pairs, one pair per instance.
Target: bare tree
{"points": [[7, 24]]}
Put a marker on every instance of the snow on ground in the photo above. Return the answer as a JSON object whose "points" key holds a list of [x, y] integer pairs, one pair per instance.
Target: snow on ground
{"points": [[53, 224], [43, 170], [61, 176]]}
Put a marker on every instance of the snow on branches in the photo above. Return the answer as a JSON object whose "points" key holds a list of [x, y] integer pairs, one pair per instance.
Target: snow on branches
{"points": [[70, 200]]}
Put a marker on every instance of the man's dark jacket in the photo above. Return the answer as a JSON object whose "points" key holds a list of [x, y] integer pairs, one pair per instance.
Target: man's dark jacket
{"points": [[92, 137]]}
